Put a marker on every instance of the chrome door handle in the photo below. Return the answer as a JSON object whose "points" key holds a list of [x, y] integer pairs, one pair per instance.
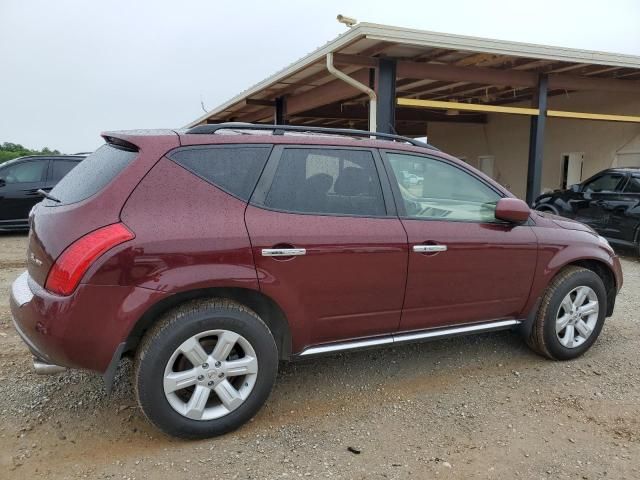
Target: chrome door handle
{"points": [[283, 252], [429, 248]]}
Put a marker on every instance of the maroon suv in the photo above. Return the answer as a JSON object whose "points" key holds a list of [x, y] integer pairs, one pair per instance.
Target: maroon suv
{"points": [[210, 254]]}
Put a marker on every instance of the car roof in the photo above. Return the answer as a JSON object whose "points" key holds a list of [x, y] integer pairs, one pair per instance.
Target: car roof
{"points": [[45, 157], [629, 169]]}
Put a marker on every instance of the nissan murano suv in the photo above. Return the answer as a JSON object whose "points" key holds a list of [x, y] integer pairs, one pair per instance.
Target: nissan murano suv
{"points": [[211, 254]]}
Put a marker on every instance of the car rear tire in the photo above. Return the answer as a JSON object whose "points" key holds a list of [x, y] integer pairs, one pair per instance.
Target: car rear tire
{"points": [[571, 315], [205, 368]]}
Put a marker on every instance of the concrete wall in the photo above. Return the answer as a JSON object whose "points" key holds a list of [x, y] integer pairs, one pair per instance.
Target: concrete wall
{"points": [[506, 137]]}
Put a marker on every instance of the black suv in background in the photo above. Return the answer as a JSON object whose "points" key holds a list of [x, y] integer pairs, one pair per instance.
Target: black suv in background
{"points": [[609, 202], [20, 180]]}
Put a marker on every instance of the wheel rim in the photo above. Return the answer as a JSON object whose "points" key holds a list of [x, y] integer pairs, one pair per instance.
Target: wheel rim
{"points": [[577, 317], [210, 374]]}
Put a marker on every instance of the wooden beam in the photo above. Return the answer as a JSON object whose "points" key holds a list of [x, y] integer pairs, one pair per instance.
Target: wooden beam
{"points": [[494, 76], [362, 61], [326, 94], [470, 107], [576, 82], [593, 116], [361, 112], [260, 102]]}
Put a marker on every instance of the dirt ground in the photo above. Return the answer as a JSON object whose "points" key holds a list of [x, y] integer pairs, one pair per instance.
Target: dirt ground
{"points": [[481, 407]]}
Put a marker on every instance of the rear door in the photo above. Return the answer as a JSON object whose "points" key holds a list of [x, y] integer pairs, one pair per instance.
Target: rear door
{"points": [[625, 213], [464, 265], [327, 243], [19, 188]]}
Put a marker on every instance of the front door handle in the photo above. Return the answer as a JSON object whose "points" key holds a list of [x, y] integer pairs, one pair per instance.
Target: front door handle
{"points": [[283, 252], [429, 248]]}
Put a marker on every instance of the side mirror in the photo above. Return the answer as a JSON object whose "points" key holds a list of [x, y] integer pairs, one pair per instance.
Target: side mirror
{"points": [[512, 210], [2, 182], [575, 188]]}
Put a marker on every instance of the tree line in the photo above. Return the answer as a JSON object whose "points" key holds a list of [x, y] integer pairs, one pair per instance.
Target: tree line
{"points": [[10, 150]]}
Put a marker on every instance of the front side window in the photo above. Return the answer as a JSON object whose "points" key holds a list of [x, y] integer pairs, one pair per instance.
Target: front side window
{"points": [[326, 181], [604, 183], [436, 190], [25, 172]]}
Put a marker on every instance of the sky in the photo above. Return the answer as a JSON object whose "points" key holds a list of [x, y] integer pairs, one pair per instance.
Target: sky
{"points": [[70, 69]]}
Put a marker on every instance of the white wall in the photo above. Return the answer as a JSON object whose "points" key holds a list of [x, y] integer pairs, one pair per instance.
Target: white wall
{"points": [[507, 138]]}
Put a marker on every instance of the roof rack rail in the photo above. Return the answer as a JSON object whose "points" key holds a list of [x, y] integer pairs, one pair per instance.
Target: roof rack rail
{"points": [[281, 129]]}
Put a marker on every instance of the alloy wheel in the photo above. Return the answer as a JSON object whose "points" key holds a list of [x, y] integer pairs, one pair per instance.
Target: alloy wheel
{"points": [[210, 374], [577, 317]]}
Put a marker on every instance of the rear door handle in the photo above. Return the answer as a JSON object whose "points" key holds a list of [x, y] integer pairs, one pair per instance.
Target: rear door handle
{"points": [[429, 248], [283, 252]]}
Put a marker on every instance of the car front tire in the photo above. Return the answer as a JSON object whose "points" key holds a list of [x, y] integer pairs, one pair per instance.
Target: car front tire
{"points": [[205, 368], [571, 315]]}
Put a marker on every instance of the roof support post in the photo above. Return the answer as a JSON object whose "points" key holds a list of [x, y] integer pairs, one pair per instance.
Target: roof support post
{"points": [[386, 91], [536, 141], [280, 117]]}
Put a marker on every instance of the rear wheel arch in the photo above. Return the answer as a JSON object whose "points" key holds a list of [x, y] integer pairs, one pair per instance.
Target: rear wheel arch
{"points": [[267, 309]]}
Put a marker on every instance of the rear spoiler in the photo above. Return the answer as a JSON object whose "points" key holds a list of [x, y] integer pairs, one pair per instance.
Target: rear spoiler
{"points": [[120, 143]]}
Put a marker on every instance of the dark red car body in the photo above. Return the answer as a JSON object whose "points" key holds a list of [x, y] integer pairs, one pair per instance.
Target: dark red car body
{"points": [[358, 278]]}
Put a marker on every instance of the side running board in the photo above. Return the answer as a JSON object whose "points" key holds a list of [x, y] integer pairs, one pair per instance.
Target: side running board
{"points": [[408, 337]]}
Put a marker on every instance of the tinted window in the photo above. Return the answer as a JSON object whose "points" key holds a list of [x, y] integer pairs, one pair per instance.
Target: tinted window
{"points": [[59, 168], [432, 189], [92, 174], [633, 186], [341, 182], [604, 183], [234, 169], [25, 172]]}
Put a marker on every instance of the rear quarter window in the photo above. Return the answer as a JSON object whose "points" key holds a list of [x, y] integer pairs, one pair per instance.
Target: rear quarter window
{"points": [[232, 168], [92, 174]]}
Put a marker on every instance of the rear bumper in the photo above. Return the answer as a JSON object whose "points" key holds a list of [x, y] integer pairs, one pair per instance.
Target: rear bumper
{"points": [[83, 330]]}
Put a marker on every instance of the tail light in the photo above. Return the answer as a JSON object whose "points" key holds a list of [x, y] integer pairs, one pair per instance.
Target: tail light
{"points": [[71, 266]]}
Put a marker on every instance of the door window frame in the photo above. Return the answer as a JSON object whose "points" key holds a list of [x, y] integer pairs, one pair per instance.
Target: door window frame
{"points": [[399, 200], [268, 174]]}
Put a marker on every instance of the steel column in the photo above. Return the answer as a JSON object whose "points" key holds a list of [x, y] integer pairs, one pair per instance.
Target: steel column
{"points": [[281, 111], [386, 91], [536, 141]]}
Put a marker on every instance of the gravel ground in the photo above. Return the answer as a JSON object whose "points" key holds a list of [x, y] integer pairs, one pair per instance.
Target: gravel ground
{"points": [[481, 406]]}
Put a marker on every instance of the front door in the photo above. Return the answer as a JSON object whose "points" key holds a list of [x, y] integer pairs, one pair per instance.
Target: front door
{"points": [[327, 247], [464, 265], [598, 193]]}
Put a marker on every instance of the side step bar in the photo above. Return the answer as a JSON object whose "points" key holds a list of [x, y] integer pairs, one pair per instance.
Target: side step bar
{"points": [[408, 337]]}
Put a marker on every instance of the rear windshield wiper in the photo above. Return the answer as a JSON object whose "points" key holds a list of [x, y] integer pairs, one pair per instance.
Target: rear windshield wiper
{"points": [[49, 196]]}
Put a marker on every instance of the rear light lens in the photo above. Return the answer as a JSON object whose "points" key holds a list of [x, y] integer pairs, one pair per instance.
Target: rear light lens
{"points": [[71, 266]]}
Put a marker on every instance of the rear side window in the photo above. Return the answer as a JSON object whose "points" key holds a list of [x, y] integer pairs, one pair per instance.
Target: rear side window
{"points": [[330, 182], [234, 169], [59, 168], [633, 186], [92, 174]]}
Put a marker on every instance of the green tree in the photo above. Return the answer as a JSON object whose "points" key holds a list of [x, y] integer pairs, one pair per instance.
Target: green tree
{"points": [[10, 150]]}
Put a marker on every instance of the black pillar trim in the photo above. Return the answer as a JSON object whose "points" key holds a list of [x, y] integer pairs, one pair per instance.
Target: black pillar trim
{"points": [[536, 141], [386, 91], [280, 117]]}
